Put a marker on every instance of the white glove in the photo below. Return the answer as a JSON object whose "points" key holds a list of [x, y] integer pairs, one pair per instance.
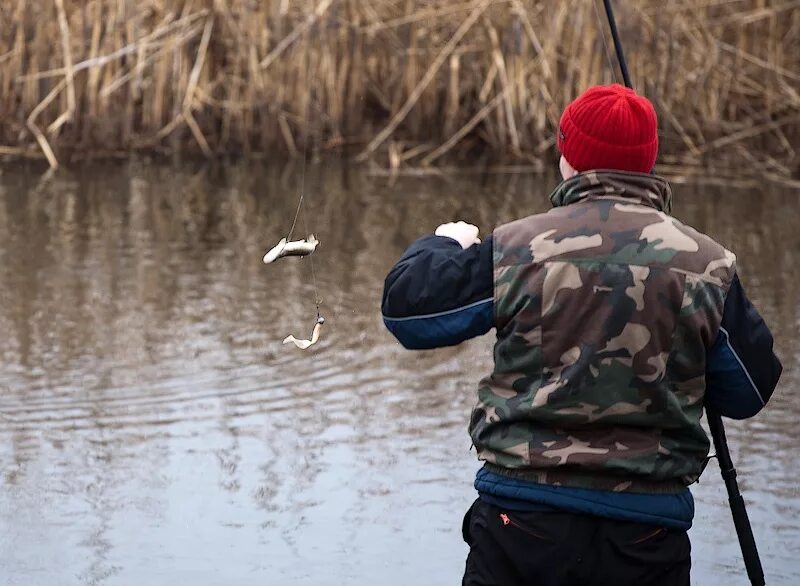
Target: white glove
{"points": [[465, 234]]}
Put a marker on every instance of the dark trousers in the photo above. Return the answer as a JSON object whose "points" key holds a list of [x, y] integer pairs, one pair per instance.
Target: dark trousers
{"points": [[510, 548]]}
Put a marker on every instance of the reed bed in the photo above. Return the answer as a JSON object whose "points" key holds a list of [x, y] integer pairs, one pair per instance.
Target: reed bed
{"points": [[404, 84]]}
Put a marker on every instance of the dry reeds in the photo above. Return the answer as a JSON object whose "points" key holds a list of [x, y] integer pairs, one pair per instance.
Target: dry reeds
{"points": [[405, 81]]}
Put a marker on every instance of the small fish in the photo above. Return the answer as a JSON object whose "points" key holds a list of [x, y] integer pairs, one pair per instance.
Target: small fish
{"points": [[304, 344], [293, 248]]}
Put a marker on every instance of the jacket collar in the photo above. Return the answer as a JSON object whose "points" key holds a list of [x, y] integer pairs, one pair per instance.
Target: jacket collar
{"points": [[638, 188]]}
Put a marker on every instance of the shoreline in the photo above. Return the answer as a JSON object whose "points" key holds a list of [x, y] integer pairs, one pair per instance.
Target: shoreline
{"points": [[403, 87]]}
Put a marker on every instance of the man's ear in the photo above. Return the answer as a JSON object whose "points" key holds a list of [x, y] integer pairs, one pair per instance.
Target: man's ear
{"points": [[567, 170]]}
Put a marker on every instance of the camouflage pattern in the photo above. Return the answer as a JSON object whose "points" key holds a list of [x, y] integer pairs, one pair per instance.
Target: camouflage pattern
{"points": [[604, 308]]}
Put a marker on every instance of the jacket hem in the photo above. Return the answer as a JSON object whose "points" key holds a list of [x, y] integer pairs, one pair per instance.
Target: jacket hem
{"points": [[589, 480]]}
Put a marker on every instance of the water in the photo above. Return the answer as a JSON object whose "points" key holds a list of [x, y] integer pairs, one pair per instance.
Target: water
{"points": [[154, 431]]}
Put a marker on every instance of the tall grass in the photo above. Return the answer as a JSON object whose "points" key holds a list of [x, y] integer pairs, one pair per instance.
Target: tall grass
{"points": [[398, 82]]}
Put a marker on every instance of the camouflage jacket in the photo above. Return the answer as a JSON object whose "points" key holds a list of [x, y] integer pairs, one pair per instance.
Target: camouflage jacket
{"points": [[604, 308]]}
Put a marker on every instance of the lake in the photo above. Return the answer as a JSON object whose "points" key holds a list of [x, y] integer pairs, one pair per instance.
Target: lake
{"points": [[153, 429]]}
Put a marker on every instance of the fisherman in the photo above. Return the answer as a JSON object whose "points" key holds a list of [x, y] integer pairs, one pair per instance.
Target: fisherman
{"points": [[616, 324]]}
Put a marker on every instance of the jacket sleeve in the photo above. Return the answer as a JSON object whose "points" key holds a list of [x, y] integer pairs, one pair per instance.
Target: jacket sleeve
{"points": [[439, 294], [741, 369]]}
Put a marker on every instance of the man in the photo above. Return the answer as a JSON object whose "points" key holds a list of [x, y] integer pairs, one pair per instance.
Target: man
{"points": [[615, 325]]}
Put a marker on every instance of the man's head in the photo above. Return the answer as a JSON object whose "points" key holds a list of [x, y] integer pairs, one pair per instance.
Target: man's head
{"points": [[608, 127]]}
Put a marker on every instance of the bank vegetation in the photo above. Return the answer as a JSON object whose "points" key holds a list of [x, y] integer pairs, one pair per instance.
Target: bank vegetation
{"points": [[402, 84]]}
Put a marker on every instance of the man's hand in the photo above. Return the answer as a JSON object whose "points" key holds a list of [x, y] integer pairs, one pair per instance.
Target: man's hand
{"points": [[465, 234]]}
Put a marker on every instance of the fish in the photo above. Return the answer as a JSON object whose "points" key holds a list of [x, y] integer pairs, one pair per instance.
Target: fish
{"points": [[291, 248], [305, 344]]}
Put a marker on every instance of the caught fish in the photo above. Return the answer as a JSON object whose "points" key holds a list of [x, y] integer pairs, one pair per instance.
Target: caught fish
{"points": [[304, 344], [291, 248]]}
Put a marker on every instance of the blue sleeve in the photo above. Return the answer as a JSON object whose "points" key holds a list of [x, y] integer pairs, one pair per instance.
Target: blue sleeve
{"points": [[439, 294], [741, 369]]}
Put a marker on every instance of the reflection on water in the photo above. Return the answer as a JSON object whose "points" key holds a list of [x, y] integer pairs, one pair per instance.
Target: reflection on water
{"points": [[155, 431]]}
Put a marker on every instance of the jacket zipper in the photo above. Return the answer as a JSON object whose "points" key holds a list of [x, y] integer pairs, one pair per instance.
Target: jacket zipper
{"points": [[509, 521]]}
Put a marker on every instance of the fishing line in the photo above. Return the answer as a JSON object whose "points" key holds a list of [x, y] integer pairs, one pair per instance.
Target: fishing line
{"points": [[317, 299], [302, 172], [300, 207], [601, 28], [296, 213]]}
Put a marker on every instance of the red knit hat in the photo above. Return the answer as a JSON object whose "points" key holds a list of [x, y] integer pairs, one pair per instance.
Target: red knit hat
{"points": [[609, 127]]}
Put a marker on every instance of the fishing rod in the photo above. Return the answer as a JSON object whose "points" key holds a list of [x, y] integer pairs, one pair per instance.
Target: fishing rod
{"points": [[747, 542], [741, 521], [612, 24]]}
